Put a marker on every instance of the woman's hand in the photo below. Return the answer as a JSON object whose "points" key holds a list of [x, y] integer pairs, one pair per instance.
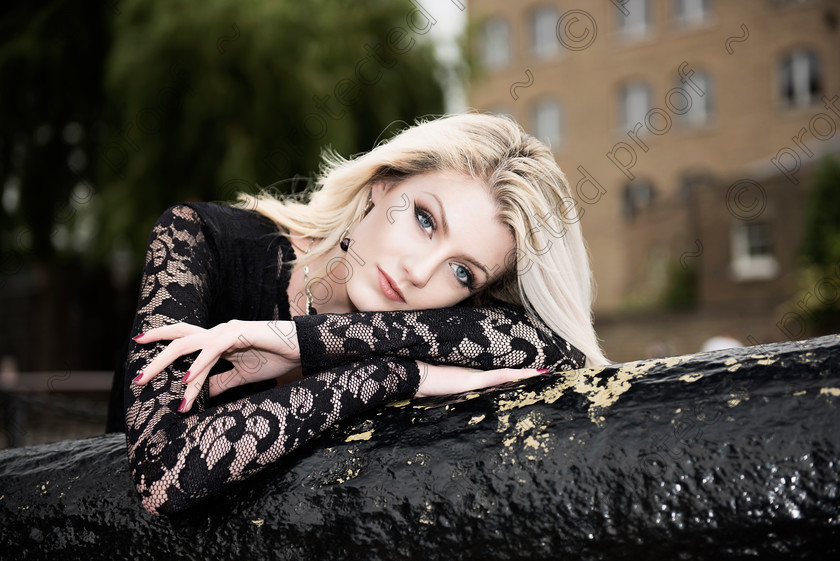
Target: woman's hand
{"points": [[447, 380], [258, 350]]}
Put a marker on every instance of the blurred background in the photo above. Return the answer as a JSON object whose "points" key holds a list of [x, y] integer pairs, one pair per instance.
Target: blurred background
{"points": [[700, 137]]}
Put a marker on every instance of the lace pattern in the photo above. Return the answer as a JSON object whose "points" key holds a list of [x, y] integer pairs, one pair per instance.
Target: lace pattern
{"points": [[176, 459], [353, 362], [486, 337]]}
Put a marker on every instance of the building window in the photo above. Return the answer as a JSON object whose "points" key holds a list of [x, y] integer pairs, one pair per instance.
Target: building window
{"points": [[638, 195], [634, 18], [800, 78], [496, 43], [549, 122], [752, 256], [693, 182], [691, 12], [634, 101], [697, 109], [544, 41]]}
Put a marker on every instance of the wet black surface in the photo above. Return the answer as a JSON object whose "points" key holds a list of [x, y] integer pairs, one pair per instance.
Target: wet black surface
{"points": [[726, 455]]}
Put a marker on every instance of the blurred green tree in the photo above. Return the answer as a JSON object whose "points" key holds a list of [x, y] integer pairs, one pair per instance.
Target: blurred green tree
{"points": [[819, 280], [52, 57], [214, 97]]}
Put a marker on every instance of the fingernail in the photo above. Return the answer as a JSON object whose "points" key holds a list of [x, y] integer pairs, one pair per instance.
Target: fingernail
{"points": [[138, 336], [183, 406], [543, 370], [186, 377], [137, 379]]}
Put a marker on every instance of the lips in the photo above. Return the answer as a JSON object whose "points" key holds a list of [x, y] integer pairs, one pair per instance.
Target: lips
{"points": [[389, 287]]}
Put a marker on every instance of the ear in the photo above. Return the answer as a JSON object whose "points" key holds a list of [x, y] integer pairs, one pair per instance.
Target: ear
{"points": [[378, 190]]}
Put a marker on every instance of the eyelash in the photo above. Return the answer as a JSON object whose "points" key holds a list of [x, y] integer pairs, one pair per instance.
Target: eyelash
{"points": [[419, 211]]}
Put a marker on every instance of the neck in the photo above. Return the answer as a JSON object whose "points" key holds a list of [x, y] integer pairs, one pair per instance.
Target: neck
{"points": [[338, 301]]}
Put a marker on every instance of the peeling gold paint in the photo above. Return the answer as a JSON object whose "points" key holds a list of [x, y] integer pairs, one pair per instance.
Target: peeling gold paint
{"points": [[401, 403], [803, 392], [532, 442], [360, 436], [530, 432], [420, 459], [351, 473], [471, 395], [524, 424], [424, 518], [834, 392], [527, 398], [504, 423], [602, 392], [258, 522], [477, 419]]}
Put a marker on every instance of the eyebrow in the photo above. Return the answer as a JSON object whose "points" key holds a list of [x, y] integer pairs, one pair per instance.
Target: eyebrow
{"points": [[445, 225]]}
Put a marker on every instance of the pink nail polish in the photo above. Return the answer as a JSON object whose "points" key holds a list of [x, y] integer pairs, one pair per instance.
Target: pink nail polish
{"points": [[543, 370], [183, 406], [186, 377], [138, 336], [137, 378]]}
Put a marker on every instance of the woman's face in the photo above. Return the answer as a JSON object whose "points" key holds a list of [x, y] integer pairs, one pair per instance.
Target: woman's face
{"points": [[430, 241]]}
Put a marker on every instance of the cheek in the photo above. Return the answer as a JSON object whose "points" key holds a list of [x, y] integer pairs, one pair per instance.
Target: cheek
{"points": [[443, 292]]}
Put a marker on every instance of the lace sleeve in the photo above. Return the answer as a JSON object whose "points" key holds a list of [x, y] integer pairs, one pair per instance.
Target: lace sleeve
{"points": [[486, 337], [177, 285], [176, 459]]}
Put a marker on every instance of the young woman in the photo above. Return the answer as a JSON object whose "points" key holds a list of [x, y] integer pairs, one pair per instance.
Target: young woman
{"points": [[447, 259]]}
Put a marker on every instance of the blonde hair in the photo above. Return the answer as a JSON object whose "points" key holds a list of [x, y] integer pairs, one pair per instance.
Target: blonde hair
{"points": [[549, 275]]}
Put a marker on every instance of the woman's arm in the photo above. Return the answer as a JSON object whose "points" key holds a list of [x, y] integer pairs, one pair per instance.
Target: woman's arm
{"points": [[486, 337], [176, 459]]}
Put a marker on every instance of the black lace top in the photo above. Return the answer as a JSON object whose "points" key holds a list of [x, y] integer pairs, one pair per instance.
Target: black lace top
{"points": [[207, 264]]}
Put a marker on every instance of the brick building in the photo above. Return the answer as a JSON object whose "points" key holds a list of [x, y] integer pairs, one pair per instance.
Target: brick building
{"points": [[690, 130]]}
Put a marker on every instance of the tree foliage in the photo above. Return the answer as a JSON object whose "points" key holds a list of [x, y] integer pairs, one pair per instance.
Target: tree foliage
{"points": [[216, 96], [819, 278], [120, 109], [52, 57]]}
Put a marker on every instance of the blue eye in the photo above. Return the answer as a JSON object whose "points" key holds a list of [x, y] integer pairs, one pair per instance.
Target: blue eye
{"points": [[425, 219], [463, 275]]}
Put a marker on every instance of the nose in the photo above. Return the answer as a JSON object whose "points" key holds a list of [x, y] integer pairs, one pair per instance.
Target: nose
{"points": [[419, 269]]}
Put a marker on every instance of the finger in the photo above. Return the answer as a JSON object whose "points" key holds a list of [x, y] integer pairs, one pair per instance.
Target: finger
{"points": [[173, 351], [223, 381], [190, 393], [202, 364], [167, 332], [510, 374], [490, 378], [219, 383]]}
